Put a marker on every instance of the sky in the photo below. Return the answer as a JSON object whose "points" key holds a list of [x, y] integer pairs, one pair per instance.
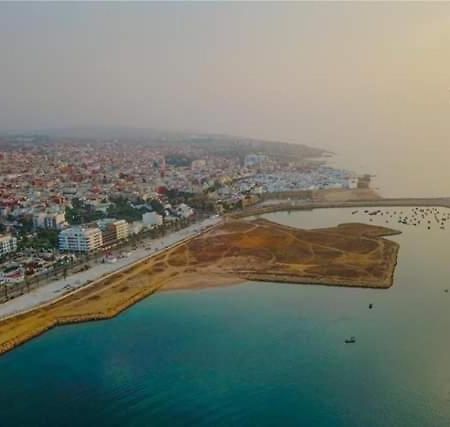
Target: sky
{"points": [[336, 75]]}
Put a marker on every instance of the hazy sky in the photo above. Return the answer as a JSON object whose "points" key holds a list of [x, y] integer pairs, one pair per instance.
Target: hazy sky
{"points": [[325, 74]]}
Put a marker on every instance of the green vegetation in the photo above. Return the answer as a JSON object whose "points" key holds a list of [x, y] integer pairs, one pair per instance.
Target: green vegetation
{"points": [[27, 225], [42, 239], [157, 206], [81, 213], [122, 209]]}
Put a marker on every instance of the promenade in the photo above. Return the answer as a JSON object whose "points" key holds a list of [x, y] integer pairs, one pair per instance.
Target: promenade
{"points": [[63, 287]]}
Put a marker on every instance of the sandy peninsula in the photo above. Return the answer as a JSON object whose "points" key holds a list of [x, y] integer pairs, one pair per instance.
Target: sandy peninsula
{"points": [[353, 255]]}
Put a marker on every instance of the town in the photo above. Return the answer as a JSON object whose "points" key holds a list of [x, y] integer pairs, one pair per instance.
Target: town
{"points": [[65, 202]]}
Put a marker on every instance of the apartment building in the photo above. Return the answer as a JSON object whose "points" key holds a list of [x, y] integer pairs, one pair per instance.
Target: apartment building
{"points": [[8, 244], [52, 221], [122, 229], [113, 230], [151, 219], [80, 239]]}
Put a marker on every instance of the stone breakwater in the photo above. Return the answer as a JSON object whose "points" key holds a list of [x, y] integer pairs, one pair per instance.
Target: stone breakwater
{"points": [[301, 205]]}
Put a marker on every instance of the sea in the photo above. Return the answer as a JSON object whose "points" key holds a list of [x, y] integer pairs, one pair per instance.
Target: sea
{"points": [[398, 168], [256, 354]]}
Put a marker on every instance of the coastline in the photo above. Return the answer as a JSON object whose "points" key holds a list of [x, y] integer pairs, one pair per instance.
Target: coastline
{"points": [[54, 291], [443, 202], [205, 261]]}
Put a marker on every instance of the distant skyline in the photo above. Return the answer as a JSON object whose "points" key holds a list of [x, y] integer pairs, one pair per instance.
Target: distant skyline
{"points": [[324, 74]]}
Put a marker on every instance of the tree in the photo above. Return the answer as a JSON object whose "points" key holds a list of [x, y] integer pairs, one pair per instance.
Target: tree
{"points": [[122, 209], [157, 206], [27, 225]]}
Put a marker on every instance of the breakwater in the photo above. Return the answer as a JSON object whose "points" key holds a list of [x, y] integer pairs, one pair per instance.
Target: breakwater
{"points": [[443, 202]]}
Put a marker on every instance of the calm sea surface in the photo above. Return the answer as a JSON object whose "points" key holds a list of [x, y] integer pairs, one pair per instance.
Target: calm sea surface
{"points": [[253, 355], [418, 170]]}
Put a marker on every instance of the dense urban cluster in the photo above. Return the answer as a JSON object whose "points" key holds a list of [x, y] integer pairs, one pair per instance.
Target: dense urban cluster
{"points": [[60, 198]]}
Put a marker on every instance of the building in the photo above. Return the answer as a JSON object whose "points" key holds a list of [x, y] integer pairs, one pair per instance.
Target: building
{"points": [[152, 218], [254, 160], [8, 244], [113, 230], [52, 221], [198, 164], [364, 181], [80, 239], [136, 227], [184, 211], [109, 236], [352, 183], [122, 229]]}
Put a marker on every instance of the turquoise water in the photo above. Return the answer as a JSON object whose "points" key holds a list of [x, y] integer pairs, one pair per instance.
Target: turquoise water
{"points": [[252, 355]]}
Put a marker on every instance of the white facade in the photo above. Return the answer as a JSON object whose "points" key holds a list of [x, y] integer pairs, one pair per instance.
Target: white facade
{"points": [[136, 227], [254, 160], [353, 183], [80, 239], [198, 164], [8, 244], [152, 218], [185, 211], [55, 221]]}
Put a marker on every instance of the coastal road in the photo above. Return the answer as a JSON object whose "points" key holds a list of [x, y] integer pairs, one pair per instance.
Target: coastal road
{"points": [[62, 287]]}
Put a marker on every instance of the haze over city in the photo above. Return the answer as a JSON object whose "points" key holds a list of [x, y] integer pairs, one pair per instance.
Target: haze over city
{"points": [[327, 74]]}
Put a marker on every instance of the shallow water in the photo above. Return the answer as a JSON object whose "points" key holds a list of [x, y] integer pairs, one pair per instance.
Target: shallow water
{"points": [[255, 354]]}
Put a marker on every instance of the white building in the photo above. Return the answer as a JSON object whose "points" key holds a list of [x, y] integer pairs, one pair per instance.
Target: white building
{"points": [[184, 210], [136, 227], [254, 160], [80, 239], [8, 244], [152, 218], [198, 164], [53, 221], [352, 183]]}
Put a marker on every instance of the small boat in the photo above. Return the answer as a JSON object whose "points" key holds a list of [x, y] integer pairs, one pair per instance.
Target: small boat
{"points": [[370, 305], [351, 340]]}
